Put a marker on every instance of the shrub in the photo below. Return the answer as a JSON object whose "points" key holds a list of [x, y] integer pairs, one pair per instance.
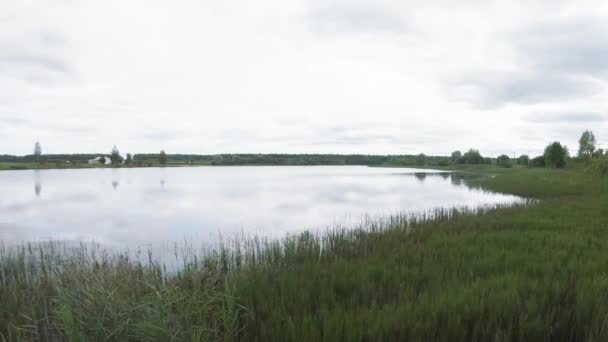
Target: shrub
{"points": [[538, 161], [556, 155], [523, 160], [600, 166], [503, 161], [472, 157]]}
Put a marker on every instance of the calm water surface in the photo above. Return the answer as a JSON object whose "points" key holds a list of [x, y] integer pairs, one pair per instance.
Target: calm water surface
{"points": [[134, 207]]}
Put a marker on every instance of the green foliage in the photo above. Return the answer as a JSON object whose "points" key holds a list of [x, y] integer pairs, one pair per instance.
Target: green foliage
{"points": [[586, 145], [599, 166], [115, 157], [472, 157], [455, 157], [103, 160], [129, 158], [503, 161], [524, 159], [421, 159], [443, 162], [538, 161], [556, 155], [162, 157], [49, 296]]}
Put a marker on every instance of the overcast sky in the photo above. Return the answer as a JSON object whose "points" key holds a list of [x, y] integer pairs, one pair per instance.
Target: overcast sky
{"points": [[296, 76]]}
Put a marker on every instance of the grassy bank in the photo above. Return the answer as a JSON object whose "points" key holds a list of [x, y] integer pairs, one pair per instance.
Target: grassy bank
{"points": [[527, 273]]}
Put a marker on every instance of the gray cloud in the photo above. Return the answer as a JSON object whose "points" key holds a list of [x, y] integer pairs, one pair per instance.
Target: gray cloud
{"points": [[163, 135], [66, 127], [357, 134], [567, 117], [573, 47], [12, 120], [494, 90], [11, 58], [557, 60], [36, 56], [352, 18]]}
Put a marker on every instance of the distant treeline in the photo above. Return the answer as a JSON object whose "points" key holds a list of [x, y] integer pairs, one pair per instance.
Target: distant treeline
{"points": [[555, 155], [252, 159], [50, 157]]}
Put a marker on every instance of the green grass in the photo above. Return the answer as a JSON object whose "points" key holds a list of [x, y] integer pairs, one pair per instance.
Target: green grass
{"points": [[528, 273]]}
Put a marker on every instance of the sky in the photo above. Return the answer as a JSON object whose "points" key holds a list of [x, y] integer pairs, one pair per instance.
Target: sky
{"points": [[302, 76]]}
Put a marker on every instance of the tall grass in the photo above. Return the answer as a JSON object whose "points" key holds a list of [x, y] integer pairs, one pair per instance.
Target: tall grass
{"points": [[530, 272]]}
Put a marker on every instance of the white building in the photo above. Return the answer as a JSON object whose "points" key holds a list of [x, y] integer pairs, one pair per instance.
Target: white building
{"points": [[98, 161]]}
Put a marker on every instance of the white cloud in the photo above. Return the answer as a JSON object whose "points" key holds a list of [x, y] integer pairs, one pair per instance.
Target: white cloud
{"points": [[356, 76]]}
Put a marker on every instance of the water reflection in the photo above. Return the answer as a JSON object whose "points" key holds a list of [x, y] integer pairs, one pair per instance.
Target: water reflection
{"points": [[203, 202], [37, 184], [421, 176]]}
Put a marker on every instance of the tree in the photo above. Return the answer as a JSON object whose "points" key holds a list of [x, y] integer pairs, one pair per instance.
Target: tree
{"points": [[586, 145], [115, 157], [37, 150], [472, 157], [503, 160], [102, 160], [456, 155], [556, 155], [162, 158], [129, 158], [421, 159], [523, 160]]}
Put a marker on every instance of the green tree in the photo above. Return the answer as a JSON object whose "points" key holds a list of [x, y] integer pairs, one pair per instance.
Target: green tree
{"points": [[556, 155], [37, 151], [456, 155], [421, 159], [503, 161], [102, 160], [129, 158], [115, 157], [586, 145], [472, 157], [524, 159], [162, 158], [538, 161]]}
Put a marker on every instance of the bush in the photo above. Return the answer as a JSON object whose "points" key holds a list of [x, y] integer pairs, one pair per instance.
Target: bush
{"points": [[503, 161], [523, 160], [538, 162], [421, 159], [443, 162], [556, 155], [600, 166], [472, 157]]}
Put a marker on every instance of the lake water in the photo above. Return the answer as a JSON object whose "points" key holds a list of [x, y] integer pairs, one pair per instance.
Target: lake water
{"points": [[147, 206]]}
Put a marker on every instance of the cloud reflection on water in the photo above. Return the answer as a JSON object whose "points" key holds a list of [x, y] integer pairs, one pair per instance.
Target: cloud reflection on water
{"points": [[131, 207]]}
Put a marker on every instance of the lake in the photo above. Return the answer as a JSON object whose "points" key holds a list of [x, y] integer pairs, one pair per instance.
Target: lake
{"points": [[132, 207]]}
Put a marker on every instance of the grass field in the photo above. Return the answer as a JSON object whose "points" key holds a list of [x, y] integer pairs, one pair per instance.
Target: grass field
{"points": [[529, 273]]}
